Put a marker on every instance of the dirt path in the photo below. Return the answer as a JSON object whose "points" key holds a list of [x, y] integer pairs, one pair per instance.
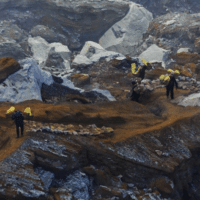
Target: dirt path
{"points": [[137, 118], [172, 113], [9, 143]]}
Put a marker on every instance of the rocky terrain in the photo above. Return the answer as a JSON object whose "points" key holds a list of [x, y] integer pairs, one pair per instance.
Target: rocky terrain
{"points": [[164, 6], [70, 62]]}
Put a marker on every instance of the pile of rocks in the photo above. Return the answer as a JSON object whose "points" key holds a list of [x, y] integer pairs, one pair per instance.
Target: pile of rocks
{"points": [[32, 126], [145, 86]]}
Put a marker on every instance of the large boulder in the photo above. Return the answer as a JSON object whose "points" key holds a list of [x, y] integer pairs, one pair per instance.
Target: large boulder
{"points": [[156, 54], [77, 21], [92, 53], [53, 57], [81, 61], [40, 48], [191, 100], [58, 58], [8, 66], [126, 35], [25, 84], [90, 48]]}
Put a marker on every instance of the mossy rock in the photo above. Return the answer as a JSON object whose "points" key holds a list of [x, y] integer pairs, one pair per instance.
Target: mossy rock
{"points": [[8, 66]]}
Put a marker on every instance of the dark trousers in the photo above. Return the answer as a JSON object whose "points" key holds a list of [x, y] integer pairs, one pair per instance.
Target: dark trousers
{"points": [[135, 96], [22, 129], [170, 90]]}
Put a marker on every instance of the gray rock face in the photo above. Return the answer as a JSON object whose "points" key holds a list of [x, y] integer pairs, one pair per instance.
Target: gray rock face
{"points": [[156, 54], [191, 100], [127, 34], [165, 32], [35, 183], [81, 61], [74, 22], [12, 49], [48, 34], [26, 83], [58, 58], [161, 7], [93, 53], [63, 93], [78, 183], [53, 57]]}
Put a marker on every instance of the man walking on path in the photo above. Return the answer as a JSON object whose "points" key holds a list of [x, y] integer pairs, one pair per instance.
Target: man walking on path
{"points": [[19, 122], [170, 86]]}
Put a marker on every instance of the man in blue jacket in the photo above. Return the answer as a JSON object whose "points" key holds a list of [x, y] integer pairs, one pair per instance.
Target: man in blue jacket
{"points": [[19, 122]]}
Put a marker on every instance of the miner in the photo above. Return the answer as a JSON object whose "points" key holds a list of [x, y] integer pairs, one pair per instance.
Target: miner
{"points": [[19, 122], [170, 86], [134, 95]]}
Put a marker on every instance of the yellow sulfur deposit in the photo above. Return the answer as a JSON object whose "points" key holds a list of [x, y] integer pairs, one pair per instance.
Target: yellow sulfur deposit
{"points": [[177, 72], [134, 69], [144, 61], [28, 110], [167, 78], [11, 109], [162, 77], [170, 70]]}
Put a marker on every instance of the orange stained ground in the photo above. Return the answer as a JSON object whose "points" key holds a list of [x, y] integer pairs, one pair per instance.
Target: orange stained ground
{"points": [[137, 118]]}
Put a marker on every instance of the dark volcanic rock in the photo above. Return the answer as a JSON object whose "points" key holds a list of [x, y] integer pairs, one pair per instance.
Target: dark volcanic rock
{"points": [[71, 22], [57, 79], [57, 93], [20, 180], [165, 31]]}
